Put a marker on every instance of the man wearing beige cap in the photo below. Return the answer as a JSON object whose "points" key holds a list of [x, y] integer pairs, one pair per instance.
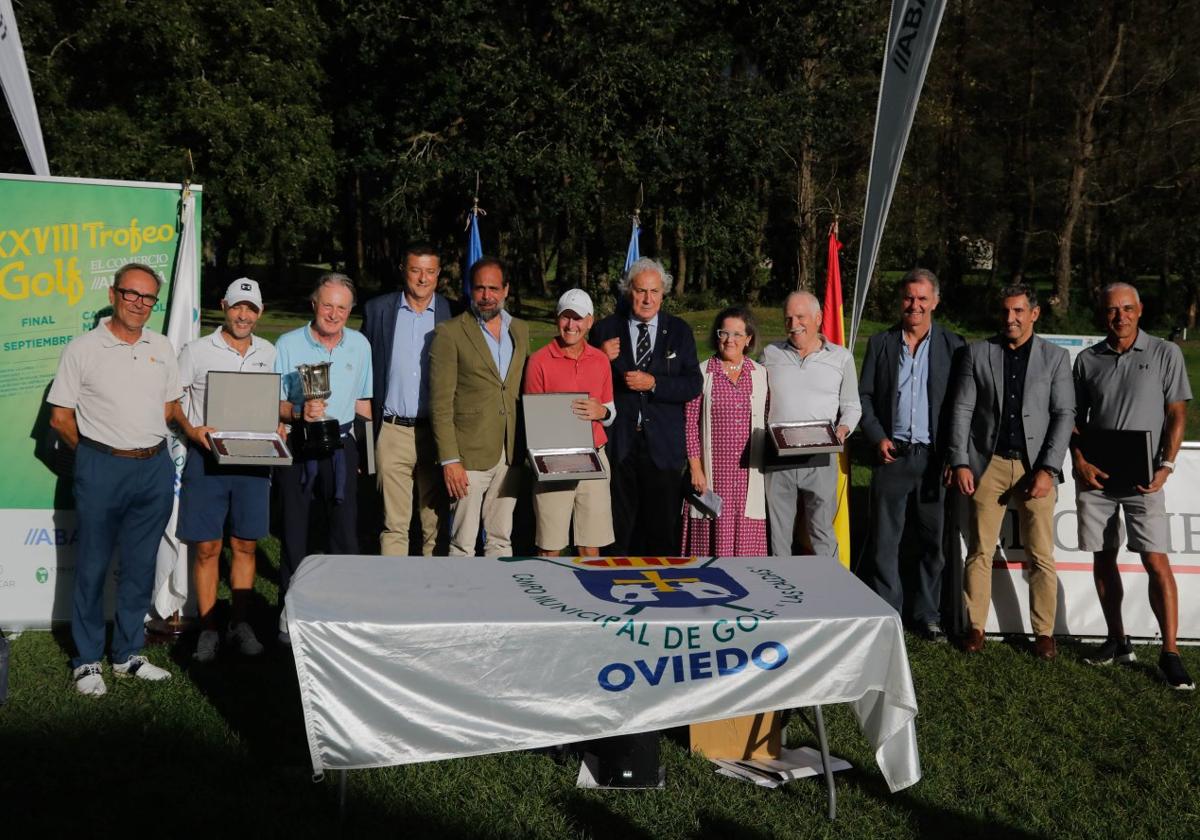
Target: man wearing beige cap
{"points": [[210, 494], [569, 364]]}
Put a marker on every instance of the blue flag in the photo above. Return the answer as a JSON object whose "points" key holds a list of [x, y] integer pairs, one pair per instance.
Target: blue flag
{"points": [[474, 254], [634, 253]]}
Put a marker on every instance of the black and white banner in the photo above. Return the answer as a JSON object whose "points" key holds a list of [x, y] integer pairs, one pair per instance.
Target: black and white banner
{"points": [[911, 36]]}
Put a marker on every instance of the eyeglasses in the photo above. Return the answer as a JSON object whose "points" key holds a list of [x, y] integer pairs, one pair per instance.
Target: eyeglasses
{"points": [[725, 335], [130, 296]]}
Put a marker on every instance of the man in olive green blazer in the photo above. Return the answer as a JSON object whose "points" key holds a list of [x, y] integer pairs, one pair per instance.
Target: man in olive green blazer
{"points": [[475, 368]]}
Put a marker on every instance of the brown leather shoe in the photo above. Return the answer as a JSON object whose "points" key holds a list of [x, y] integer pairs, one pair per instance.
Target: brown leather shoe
{"points": [[973, 643], [1044, 648]]}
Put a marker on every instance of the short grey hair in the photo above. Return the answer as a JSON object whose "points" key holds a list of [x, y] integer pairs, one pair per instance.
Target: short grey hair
{"points": [[1119, 286], [334, 278], [646, 264], [136, 266], [922, 275], [814, 304]]}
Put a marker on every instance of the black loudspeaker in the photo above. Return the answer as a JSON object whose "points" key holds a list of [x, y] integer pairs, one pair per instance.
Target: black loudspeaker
{"points": [[624, 760]]}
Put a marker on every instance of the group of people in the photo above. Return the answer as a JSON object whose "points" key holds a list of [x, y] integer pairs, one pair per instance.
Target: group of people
{"points": [[993, 420]]}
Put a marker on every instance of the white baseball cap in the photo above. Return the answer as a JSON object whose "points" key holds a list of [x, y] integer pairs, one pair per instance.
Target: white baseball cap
{"points": [[577, 301], [244, 290]]}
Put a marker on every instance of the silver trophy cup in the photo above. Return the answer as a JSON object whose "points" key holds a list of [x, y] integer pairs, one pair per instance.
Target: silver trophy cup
{"points": [[321, 436]]}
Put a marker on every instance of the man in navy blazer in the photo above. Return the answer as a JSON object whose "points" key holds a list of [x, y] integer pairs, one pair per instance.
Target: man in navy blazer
{"points": [[904, 417], [655, 374], [400, 328]]}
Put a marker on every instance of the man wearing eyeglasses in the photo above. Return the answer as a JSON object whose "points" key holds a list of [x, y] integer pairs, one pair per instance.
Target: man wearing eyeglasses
{"points": [[115, 390]]}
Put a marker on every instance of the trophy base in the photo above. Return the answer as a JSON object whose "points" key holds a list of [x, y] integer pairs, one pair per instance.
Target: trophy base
{"points": [[320, 438]]}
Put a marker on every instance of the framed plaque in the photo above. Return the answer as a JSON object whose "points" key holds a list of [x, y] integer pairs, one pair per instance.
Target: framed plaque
{"points": [[559, 443], [244, 408], [810, 437]]}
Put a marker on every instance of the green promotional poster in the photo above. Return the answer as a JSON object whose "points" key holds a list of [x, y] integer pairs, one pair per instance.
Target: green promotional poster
{"points": [[61, 240]]}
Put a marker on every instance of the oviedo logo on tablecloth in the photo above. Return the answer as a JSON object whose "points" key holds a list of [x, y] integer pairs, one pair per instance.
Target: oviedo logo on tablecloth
{"points": [[686, 651]]}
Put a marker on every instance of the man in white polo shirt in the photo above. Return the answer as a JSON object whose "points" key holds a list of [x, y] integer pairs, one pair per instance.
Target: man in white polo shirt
{"points": [[114, 390], [810, 378], [210, 493]]}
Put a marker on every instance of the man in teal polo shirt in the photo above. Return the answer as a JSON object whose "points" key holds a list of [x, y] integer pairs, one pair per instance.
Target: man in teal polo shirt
{"points": [[329, 479]]}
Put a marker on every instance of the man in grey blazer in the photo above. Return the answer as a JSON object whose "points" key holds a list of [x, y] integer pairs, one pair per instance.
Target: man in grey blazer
{"points": [[1010, 424], [903, 386]]}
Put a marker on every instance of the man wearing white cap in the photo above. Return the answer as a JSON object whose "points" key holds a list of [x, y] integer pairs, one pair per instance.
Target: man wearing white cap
{"points": [[569, 364], [209, 493]]}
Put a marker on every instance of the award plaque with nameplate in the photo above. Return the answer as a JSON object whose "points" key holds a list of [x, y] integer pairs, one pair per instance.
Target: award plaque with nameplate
{"points": [[244, 410], [559, 443]]}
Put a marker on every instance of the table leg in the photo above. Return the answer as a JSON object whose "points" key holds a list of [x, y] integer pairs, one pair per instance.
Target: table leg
{"points": [[342, 797], [825, 762]]}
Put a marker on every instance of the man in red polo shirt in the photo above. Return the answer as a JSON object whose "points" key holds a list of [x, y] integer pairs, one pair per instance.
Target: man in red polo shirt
{"points": [[569, 363]]}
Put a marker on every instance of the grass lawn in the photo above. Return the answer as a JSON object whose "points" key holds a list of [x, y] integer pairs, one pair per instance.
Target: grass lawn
{"points": [[1011, 747]]}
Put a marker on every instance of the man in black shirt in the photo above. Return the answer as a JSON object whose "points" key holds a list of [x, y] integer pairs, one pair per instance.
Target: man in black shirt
{"points": [[1011, 421]]}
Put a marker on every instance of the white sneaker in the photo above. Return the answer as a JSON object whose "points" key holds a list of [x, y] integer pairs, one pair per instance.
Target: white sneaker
{"points": [[89, 680], [241, 636], [142, 668], [206, 646]]}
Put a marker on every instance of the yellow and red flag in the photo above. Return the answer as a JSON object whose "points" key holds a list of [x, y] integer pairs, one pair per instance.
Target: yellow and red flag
{"points": [[834, 328]]}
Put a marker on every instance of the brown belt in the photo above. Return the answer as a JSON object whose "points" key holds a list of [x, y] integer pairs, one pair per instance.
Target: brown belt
{"points": [[140, 454]]}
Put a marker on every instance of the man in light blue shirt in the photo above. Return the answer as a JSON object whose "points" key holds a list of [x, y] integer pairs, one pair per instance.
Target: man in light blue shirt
{"points": [[400, 328], [903, 390], [330, 479]]}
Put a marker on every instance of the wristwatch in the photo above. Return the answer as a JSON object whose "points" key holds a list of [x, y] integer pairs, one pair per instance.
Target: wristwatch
{"points": [[1170, 465]]}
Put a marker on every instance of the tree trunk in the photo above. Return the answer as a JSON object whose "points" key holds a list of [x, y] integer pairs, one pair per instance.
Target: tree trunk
{"points": [[360, 247], [542, 263], [1085, 141], [680, 262]]}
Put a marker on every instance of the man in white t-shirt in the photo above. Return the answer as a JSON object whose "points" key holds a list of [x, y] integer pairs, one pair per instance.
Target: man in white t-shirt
{"points": [[210, 493]]}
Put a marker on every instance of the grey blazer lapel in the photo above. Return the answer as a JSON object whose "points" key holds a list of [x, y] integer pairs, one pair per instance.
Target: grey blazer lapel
{"points": [[996, 363]]}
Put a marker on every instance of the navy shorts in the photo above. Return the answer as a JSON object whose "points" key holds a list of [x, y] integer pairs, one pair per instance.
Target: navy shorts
{"points": [[210, 493]]}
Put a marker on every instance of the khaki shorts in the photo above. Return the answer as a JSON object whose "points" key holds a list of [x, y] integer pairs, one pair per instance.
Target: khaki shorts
{"points": [[556, 504], [1145, 517]]}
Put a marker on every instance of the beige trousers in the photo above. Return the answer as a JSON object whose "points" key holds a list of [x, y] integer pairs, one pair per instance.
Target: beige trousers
{"points": [[1002, 482], [405, 456], [492, 495]]}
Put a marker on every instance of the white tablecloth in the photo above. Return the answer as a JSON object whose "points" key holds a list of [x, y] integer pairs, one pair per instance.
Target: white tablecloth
{"points": [[412, 659]]}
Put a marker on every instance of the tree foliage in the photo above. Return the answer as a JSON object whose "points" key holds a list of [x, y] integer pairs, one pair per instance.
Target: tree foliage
{"points": [[1063, 136]]}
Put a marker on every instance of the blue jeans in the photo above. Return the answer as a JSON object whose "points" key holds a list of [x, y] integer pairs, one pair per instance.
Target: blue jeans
{"points": [[121, 503]]}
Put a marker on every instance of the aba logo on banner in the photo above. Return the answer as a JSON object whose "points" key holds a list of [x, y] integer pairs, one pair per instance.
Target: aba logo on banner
{"points": [[663, 587]]}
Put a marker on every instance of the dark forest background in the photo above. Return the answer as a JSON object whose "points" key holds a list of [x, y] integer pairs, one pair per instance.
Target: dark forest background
{"points": [[1056, 142]]}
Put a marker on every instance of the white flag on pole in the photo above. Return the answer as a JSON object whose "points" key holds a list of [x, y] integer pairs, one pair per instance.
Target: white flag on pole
{"points": [[911, 37], [183, 325], [14, 78]]}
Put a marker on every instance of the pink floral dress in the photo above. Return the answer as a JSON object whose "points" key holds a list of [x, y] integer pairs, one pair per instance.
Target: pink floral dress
{"points": [[728, 474]]}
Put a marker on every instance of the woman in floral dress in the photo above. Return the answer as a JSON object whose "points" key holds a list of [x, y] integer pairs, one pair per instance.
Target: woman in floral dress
{"points": [[726, 435]]}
